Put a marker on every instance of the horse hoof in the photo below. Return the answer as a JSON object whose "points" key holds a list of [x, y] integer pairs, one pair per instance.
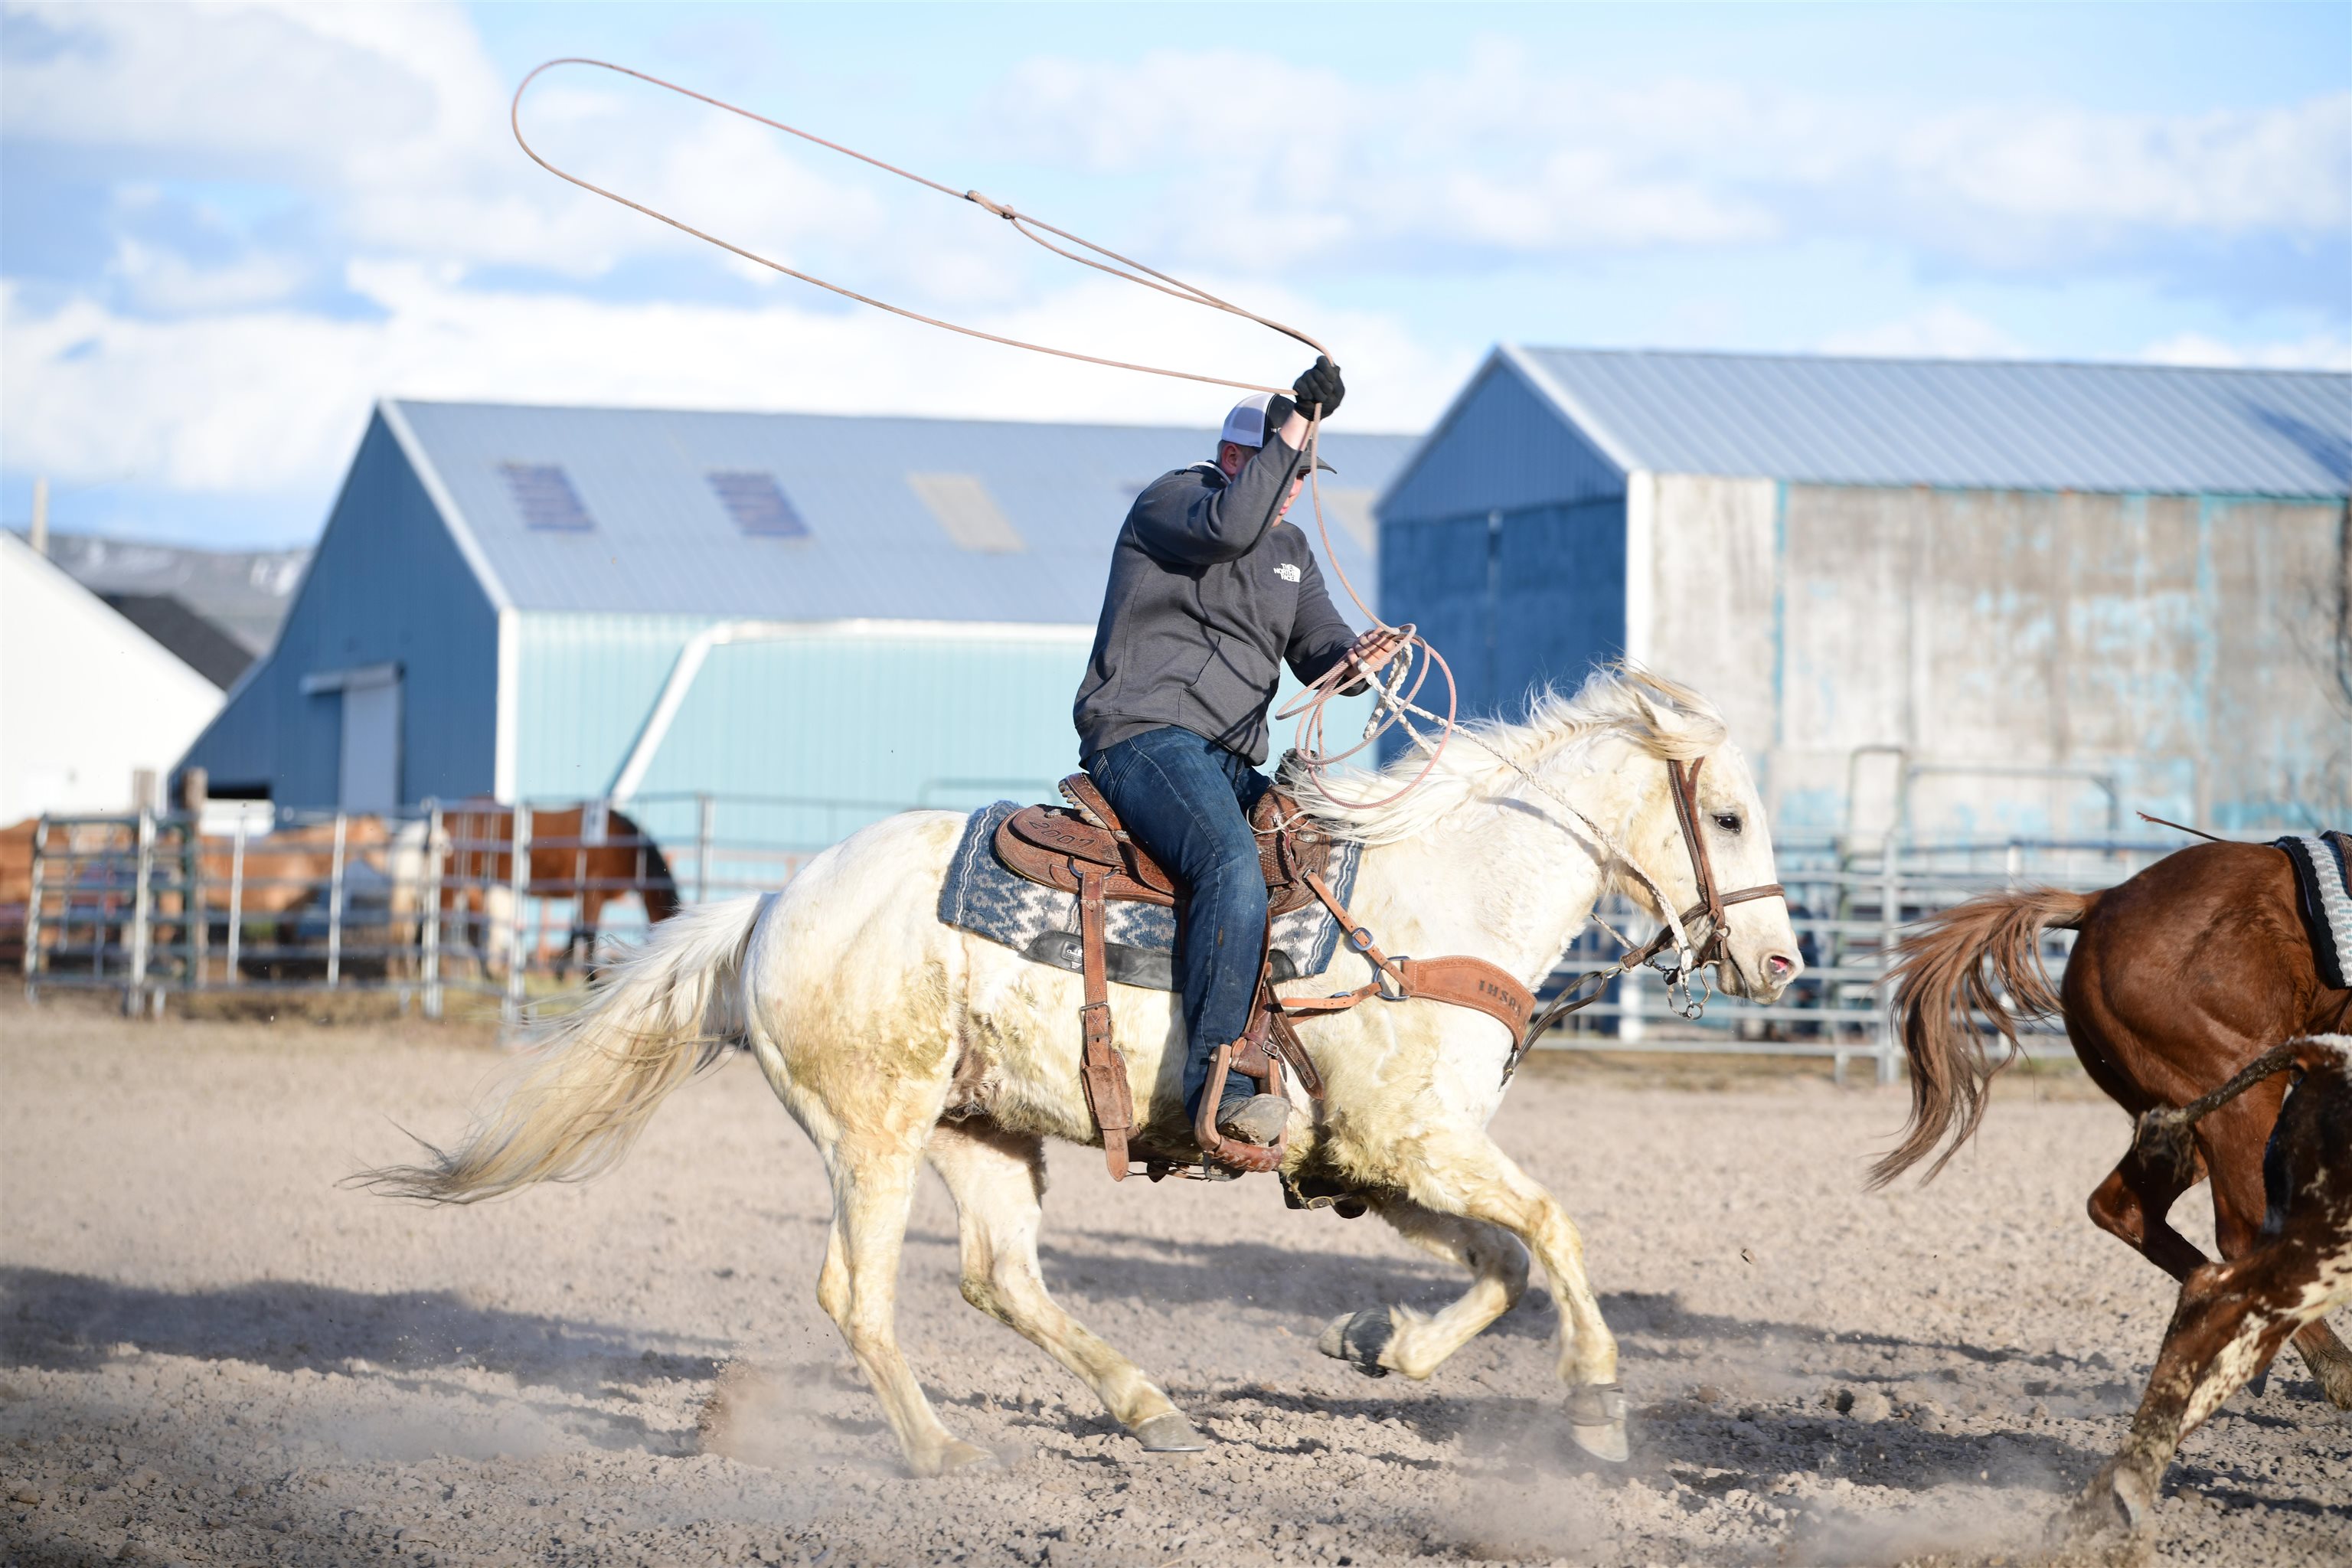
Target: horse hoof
{"points": [[1358, 1340], [2133, 1500], [1169, 1433], [960, 1455], [1596, 1419], [2331, 1366]]}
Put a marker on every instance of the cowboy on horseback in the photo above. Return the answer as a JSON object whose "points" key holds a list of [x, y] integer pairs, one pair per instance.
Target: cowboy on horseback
{"points": [[1210, 591]]}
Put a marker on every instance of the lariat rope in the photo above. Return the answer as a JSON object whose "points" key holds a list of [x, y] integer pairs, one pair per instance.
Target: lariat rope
{"points": [[1112, 263], [1134, 272], [1394, 702]]}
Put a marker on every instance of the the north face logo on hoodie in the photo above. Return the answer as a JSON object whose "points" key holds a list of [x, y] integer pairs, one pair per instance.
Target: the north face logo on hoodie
{"points": [[1287, 572]]}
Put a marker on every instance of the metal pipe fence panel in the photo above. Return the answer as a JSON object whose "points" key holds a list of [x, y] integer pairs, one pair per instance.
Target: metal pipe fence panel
{"points": [[511, 905]]}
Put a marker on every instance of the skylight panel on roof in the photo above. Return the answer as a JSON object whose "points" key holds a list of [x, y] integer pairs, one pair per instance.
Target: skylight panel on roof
{"points": [[758, 504], [543, 494], [967, 511]]}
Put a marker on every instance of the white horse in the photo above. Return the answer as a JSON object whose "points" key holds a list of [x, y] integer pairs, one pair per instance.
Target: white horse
{"points": [[891, 1037]]}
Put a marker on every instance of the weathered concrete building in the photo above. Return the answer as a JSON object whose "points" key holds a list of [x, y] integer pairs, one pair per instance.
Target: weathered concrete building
{"points": [[1994, 598]]}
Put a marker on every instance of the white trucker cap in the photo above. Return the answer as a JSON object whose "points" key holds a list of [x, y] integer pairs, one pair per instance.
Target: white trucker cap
{"points": [[1246, 424]]}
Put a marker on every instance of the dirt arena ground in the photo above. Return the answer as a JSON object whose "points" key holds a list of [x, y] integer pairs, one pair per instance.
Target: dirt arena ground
{"points": [[210, 1354]]}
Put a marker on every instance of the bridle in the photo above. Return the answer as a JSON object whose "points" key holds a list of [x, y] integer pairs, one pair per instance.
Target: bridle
{"points": [[1711, 905], [1682, 779]]}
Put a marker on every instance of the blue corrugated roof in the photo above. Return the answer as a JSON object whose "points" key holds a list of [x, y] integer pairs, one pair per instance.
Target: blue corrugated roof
{"points": [[1973, 424], [661, 539]]}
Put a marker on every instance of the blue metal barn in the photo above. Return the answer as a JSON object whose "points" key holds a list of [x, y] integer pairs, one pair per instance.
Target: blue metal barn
{"points": [[1972, 597], [838, 616]]}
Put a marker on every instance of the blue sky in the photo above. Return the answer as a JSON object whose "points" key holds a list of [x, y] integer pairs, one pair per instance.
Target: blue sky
{"points": [[224, 232]]}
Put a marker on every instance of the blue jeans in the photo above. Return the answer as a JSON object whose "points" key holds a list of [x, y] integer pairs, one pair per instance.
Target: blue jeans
{"points": [[1186, 800]]}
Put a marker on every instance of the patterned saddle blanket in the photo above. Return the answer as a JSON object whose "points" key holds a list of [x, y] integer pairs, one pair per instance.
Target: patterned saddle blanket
{"points": [[2323, 875], [1139, 939]]}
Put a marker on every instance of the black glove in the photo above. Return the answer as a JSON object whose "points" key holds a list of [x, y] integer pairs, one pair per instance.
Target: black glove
{"points": [[1320, 384]]}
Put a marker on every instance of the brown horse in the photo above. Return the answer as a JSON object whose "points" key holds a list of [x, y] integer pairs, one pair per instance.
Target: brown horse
{"points": [[566, 861], [2179, 977], [275, 875]]}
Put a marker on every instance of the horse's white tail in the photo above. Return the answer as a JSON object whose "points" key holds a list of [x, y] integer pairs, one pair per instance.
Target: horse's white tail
{"points": [[595, 1076]]}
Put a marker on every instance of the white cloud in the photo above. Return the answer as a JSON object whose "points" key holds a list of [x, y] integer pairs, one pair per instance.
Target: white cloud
{"points": [[391, 123], [1942, 331], [2288, 169], [2320, 351], [1501, 157], [163, 280], [259, 88], [394, 122], [272, 400]]}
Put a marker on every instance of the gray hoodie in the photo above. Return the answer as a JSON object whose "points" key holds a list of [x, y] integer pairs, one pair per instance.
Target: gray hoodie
{"points": [[1208, 593]]}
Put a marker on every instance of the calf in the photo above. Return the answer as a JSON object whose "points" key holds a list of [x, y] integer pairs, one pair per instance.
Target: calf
{"points": [[2233, 1316]]}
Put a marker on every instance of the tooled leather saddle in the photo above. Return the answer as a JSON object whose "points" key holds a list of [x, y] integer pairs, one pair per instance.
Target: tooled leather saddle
{"points": [[1084, 849]]}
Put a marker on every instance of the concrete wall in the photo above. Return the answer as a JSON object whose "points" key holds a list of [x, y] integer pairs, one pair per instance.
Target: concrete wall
{"points": [[2186, 645]]}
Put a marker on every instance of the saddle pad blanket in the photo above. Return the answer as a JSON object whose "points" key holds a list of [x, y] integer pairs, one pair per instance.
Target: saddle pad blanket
{"points": [[1138, 940], [2323, 874]]}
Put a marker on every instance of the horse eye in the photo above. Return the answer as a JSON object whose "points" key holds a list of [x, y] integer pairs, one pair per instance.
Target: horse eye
{"points": [[1728, 820]]}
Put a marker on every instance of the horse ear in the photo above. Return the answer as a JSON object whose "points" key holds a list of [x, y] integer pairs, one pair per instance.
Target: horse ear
{"points": [[1664, 720], [1681, 723]]}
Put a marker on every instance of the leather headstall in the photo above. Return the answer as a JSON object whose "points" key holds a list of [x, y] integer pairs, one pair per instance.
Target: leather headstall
{"points": [[1711, 905], [1682, 779]]}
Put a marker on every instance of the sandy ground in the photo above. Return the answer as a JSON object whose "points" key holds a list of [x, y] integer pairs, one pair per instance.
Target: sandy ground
{"points": [[210, 1354]]}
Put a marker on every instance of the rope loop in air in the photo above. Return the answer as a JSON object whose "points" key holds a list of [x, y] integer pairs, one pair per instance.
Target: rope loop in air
{"points": [[1392, 707]]}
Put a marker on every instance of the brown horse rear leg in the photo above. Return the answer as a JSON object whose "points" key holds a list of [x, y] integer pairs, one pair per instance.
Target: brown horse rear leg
{"points": [[2131, 1205], [996, 1179]]}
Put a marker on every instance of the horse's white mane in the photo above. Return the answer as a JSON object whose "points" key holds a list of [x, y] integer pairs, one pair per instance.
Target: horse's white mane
{"points": [[1662, 717]]}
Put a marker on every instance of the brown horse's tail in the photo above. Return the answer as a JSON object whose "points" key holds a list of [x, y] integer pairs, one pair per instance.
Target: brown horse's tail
{"points": [[1982, 957]]}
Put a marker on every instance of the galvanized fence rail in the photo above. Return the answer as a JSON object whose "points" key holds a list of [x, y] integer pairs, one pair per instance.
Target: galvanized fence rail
{"points": [[1848, 902], [483, 903]]}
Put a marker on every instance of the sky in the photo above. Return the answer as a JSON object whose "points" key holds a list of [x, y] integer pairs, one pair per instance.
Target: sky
{"points": [[225, 231]]}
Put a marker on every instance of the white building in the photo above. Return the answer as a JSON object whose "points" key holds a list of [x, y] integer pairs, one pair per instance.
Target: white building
{"points": [[86, 698]]}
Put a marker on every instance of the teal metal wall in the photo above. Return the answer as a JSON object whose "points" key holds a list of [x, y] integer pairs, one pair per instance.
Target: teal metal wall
{"points": [[882, 720], [851, 724]]}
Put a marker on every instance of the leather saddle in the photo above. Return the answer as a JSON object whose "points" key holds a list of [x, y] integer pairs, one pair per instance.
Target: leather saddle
{"points": [[1084, 849], [1049, 845]]}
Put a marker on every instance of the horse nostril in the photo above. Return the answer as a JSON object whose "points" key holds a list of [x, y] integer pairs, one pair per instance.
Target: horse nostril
{"points": [[1779, 965]]}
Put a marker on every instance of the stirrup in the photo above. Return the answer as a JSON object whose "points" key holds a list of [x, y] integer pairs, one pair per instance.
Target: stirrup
{"points": [[1231, 1152]]}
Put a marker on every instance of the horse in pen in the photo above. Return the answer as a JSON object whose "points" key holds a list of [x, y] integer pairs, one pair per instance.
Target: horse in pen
{"points": [[590, 855], [2179, 977], [892, 1037]]}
